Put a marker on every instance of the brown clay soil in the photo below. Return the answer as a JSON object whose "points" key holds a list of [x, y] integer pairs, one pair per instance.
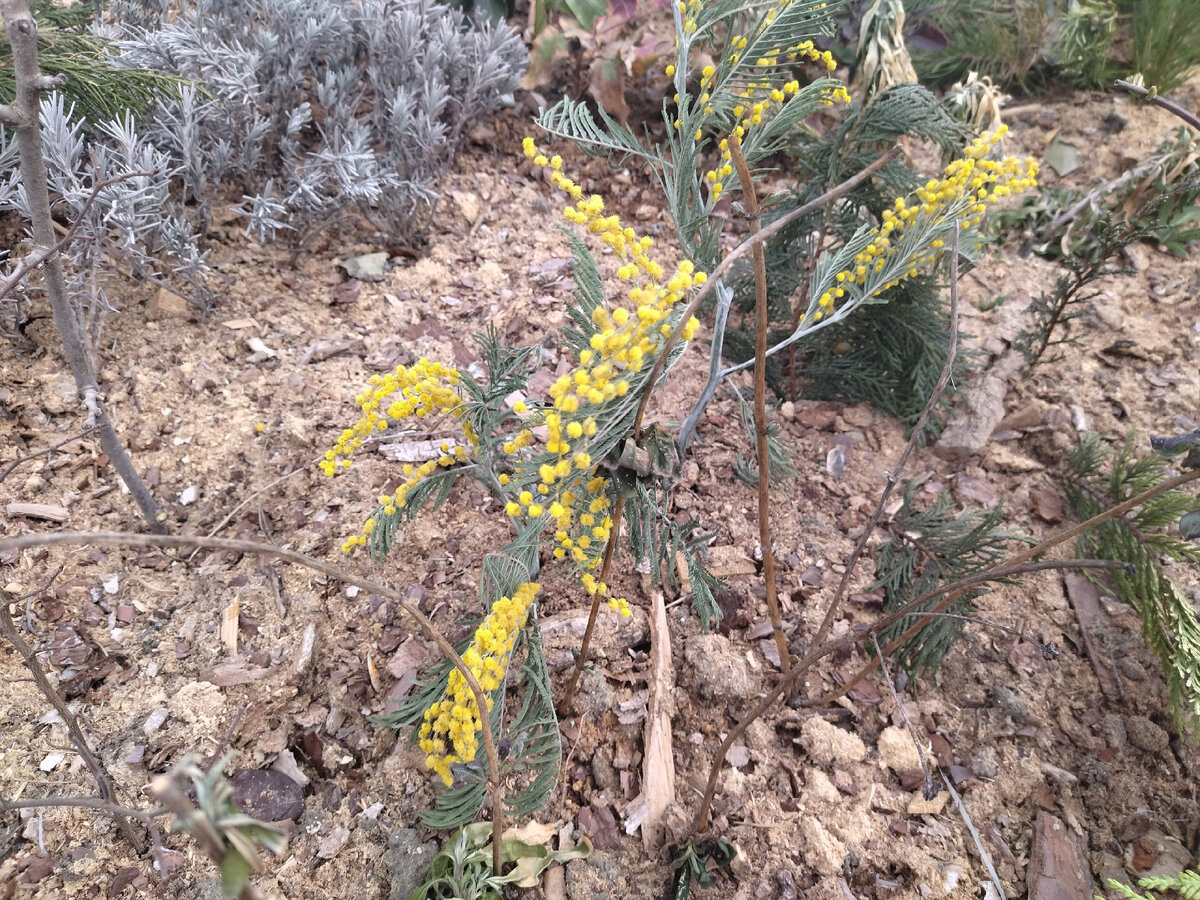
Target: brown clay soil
{"points": [[228, 413]]}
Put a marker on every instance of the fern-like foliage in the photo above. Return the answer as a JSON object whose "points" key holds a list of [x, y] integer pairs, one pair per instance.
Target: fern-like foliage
{"points": [[930, 547], [1186, 884], [700, 114], [1100, 477], [891, 353], [526, 734]]}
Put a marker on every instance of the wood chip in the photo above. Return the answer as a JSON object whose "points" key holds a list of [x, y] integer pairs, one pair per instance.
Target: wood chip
{"points": [[1086, 600], [658, 764], [229, 626], [1058, 865], [234, 671], [49, 512]]}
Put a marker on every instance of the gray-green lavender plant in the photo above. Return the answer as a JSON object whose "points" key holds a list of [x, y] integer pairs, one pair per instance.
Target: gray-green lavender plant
{"points": [[320, 109], [315, 110], [133, 226]]}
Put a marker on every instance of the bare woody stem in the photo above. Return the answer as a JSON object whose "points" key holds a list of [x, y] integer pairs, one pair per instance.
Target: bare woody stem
{"points": [[22, 115], [9, 629], [586, 643], [754, 215], [807, 661], [123, 539], [1161, 102], [737, 253], [893, 477]]}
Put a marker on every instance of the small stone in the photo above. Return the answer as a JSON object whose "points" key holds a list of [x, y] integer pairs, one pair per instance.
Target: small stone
{"points": [[983, 763], [155, 720], [368, 267], [407, 861], [787, 409], [1007, 700], [720, 670], [166, 305], [1145, 735], [1112, 729], [333, 842]]}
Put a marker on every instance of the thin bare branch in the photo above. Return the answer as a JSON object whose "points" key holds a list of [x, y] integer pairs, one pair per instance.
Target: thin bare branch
{"points": [[586, 643], [1162, 102], [761, 433], [46, 450], [78, 740]]}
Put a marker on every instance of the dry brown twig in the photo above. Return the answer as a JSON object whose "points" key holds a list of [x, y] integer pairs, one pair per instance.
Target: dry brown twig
{"points": [[754, 215]]}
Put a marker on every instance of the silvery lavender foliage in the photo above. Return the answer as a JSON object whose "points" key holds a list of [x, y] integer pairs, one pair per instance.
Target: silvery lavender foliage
{"points": [[319, 108], [135, 226]]}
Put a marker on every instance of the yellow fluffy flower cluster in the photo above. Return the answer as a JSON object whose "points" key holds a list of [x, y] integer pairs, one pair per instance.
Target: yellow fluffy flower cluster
{"points": [[451, 728], [628, 338], [416, 390], [760, 98], [962, 194]]}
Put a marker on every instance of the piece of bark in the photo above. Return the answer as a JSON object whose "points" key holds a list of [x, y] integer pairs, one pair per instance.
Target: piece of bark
{"points": [[658, 764], [1086, 600], [49, 512], [1058, 864]]}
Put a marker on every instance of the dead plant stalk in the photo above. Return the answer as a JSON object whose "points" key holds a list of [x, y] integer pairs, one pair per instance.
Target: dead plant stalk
{"points": [[754, 216]]}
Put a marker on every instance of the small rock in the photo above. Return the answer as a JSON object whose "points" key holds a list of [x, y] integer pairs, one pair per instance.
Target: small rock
{"points": [[1145, 735], [826, 743], [155, 720], [983, 763], [819, 417], [166, 305], [897, 750], [1007, 700], [333, 842], [1112, 729], [1028, 416], [368, 267], [787, 409]]}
